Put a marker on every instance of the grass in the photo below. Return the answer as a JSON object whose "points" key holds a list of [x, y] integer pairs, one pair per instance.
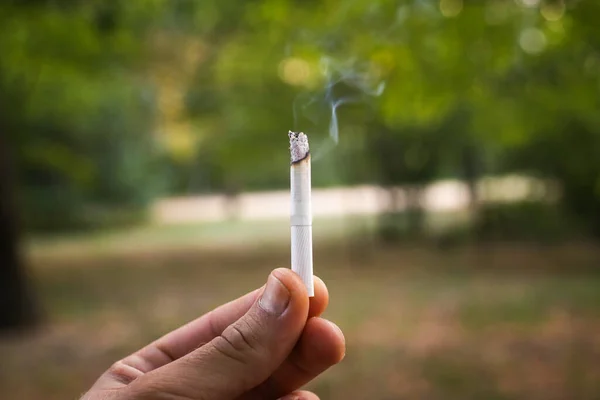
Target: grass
{"points": [[212, 235], [501, 321]]}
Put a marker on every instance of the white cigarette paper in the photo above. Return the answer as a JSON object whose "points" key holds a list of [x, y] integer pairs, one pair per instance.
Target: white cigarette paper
{"points": [[301, 210]]}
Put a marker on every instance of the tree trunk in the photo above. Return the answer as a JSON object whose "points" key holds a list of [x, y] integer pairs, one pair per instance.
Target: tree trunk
{"points": [[414, 211], [17, 308]]}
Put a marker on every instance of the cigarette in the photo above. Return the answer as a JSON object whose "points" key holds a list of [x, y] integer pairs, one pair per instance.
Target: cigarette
{"points": [[301, 210]]}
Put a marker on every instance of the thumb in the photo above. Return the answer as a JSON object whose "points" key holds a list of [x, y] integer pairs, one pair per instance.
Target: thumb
{"points": [[246, 353]]}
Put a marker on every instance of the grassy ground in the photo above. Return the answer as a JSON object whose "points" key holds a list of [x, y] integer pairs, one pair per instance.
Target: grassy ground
{"points": [[500, 321]]}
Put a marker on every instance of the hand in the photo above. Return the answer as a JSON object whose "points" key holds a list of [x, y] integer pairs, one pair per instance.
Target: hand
{"points": [[264, 345]]}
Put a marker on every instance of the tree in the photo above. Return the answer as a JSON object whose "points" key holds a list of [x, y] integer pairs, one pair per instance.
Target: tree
{"points": [[17, 307]]}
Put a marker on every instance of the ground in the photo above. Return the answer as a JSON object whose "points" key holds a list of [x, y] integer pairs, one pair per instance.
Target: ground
{"points": [[495, 321]]}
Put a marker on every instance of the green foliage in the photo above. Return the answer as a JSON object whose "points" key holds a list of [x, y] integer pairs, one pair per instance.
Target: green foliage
{"points": [[79, 124], [110, 104]]}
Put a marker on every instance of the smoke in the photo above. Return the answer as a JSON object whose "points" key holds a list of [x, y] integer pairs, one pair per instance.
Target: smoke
{"points": [[344, 82]]}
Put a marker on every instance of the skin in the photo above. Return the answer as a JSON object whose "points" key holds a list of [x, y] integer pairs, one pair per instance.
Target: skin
{"points": [[264, 345]]}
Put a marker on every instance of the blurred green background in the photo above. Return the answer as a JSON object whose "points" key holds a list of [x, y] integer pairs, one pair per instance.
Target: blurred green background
{"points": [[456, 184]]}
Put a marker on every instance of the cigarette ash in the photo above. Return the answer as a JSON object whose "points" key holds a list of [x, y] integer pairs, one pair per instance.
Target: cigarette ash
{"points": [[298, 146]]}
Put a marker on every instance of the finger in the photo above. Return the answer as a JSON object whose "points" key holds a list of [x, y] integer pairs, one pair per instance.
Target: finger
{"points": [[189, 337], [321, 345], [320, 301], [245, 354], [300, 395]]}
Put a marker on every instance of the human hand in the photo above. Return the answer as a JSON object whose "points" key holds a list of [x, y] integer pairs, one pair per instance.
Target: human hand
{"points": [[264, 345]]}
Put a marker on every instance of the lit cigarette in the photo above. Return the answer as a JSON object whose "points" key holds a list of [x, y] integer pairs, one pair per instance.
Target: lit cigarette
{"points": [[301, 210]]}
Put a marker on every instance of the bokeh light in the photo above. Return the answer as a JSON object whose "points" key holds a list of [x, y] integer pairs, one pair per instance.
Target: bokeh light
{"points": [[528, 3], [295, 71], [532, 41], [451, 8], [553, 11]]}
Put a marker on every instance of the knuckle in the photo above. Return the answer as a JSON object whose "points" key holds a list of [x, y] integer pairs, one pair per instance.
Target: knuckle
{"points": [[123, 373], [224, 347], [240, 341]]}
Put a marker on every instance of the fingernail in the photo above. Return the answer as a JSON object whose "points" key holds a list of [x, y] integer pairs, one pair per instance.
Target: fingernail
{"points": [[276, 296]]}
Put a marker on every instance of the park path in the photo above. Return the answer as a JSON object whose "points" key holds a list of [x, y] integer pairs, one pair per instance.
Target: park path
{"points": [[441, 196]]}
